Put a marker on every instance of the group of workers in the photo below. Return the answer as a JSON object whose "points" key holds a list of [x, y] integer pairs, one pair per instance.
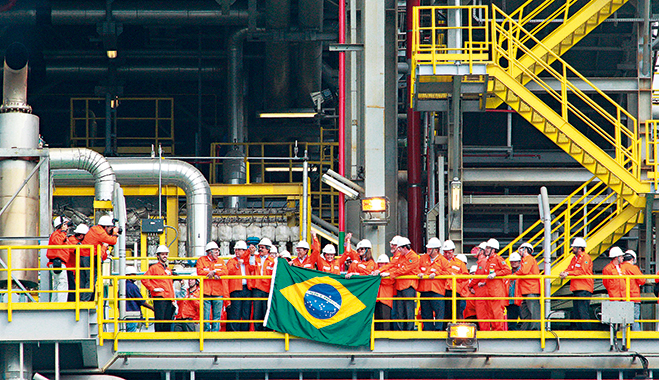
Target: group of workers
{"points": [[485, 296], [64, 259]]}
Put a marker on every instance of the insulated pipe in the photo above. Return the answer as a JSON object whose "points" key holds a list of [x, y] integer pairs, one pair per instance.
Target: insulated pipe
{"points": [[90, 161], [414, 186], [183, 175], [14, 79]]}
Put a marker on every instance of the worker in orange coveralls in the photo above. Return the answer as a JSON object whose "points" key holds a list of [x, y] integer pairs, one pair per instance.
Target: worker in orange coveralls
{"points": [[74, 257], [405, 265], [478, 288], [328, 262], [162, 290], [240, 309], [470, 306], [213, 267], [615, 287], [629, 268], [529, 288], [432, 264], [582, 288], [362, 264], [304, 259], [103, 234], [58, 258], [188, 307], [262, 264], [383, 306], [496, 287], [455, 266]]}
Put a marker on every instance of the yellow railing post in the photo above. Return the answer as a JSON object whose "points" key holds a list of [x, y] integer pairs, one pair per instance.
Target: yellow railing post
{"points": [[10, 286], [201, 314], [454, 311]]}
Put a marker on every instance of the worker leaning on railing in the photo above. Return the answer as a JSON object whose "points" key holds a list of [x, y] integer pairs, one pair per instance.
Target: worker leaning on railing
{"points": [[58, 258], [582, 288]]}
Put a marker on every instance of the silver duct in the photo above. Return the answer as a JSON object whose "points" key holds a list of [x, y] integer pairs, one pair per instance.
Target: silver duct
{"points": [[18, 129], [176, 173], [90, 161], [143, 13]]}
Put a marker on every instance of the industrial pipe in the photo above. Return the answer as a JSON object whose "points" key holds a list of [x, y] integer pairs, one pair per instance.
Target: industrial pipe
{"points": [[90, 161], [545, 215], [14, 79], [235, 79], [414, 185], [183, 175], [195, 13]]}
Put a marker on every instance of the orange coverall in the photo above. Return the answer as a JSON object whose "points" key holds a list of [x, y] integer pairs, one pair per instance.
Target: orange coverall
{"points": [[497, 287]]}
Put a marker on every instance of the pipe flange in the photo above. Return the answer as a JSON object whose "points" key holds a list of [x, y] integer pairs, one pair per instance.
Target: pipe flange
{"points": [[15, 107]]}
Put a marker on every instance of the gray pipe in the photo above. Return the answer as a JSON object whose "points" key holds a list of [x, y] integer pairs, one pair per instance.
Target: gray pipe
{"points": [[235, 85], [183, 175], [14, 79], [171, 72], [152, 13], [90, 161]]}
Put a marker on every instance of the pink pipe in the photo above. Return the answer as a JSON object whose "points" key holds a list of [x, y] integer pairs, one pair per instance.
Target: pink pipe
{"points": [[342, 116], [414, 165]]}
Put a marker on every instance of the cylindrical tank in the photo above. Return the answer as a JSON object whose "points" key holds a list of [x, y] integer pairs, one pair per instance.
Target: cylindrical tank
{"points": [[19, 130], [234, 172]]}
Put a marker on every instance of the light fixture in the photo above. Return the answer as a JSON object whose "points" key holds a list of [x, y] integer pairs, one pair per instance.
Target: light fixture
{"points": [[300, 113], [282, 169], [345, 181], [374, 204], [456, 194], [114, 103], [347, 191], [112, 54], [461, 337]]}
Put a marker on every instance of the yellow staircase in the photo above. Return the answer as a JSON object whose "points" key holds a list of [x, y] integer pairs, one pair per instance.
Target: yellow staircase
{"points": [[572, 30], [607, 142]]}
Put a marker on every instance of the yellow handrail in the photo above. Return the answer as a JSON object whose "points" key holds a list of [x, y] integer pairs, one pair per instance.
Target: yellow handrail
{"points": [[652, 150]]}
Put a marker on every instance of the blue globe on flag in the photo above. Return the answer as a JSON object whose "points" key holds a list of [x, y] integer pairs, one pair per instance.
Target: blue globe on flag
{"points": [[322, 301]]}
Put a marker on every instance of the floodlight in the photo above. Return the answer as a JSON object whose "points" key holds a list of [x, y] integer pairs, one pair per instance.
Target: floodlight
{"points": [[345, 181], [461, 337], [112, 54], [343, 188], [456, 194], [375, 204], [299, 113]]}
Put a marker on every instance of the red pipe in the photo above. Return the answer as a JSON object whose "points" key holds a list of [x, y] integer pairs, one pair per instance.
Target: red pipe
{"points": [[414, 185], [342, 117]]}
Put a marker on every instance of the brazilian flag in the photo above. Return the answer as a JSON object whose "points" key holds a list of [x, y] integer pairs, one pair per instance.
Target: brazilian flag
{"points": [[321, 306]]}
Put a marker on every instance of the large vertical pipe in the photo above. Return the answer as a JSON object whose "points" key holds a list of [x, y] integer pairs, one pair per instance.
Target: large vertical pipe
{"points": [[342, 116], [235, 78], [18, 129], [310, 17], [414, 185]]}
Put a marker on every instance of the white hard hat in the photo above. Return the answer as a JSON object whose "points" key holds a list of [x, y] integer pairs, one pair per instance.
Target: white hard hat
{"points": [[106, 221], [273, 249], [473, 269], [130, 269], [302, 244], [482, 245], [285, 254], [462, 258], [493, 243], [383, 258], [265, 242], [162, 248], [329, 248], [240, 244], [211, 245], [630, 252], [615, 252], [515, 257], [448, 245], [402, 241], [364, 244], [81, 229], [528, 246], [394, 240], [60, 220], [434, 243], [579, 243]]}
